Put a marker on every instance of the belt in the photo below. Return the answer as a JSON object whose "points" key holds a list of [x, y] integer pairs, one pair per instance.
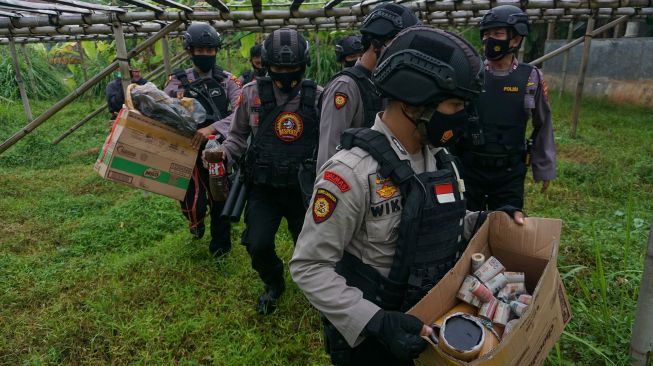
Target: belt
{"points": [[497, 161]]}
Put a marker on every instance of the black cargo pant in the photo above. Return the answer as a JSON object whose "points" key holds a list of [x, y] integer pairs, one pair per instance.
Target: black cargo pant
{"points": [[194, 207], [490, 185], [266, 206], [369, 352]]}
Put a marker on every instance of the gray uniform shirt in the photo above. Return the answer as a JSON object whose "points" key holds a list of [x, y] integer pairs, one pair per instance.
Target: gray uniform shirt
{"points": [[342, 108], [246, 118], [231, 85], [536, 103], [353, 210]]}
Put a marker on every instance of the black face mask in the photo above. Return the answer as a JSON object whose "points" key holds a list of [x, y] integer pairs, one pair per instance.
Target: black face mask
{"points": [[204, 62], [443, 130], [496, 48], [350, 63], [286, 81]]}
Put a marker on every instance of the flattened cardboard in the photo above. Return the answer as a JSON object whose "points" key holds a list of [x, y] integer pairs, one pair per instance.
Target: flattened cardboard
{"points": [[143, 153], [533, 249]]}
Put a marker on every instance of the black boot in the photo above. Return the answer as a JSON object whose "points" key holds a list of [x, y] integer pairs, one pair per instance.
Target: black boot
{"points": [[198, 231], [267, 302], [218, 249]]}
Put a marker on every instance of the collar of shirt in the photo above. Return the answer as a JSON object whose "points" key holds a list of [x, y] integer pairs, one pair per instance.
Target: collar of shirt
{"points": [[428, 164], [513, 66]]}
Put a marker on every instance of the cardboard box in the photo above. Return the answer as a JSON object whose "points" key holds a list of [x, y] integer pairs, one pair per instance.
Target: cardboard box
{"points": [[532, 249], [146, 154]]}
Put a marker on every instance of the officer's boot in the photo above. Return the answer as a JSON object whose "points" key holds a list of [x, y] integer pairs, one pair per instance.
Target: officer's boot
{"points": [[198, 231], [267, 302], [220, 235]]}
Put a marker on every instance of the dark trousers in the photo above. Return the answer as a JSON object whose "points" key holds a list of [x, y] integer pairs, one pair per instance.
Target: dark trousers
{"points": [[369, 352], [491, 187], [195, 204], [266, 206]]}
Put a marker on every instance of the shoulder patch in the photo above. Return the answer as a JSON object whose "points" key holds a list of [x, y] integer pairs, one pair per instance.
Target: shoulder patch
{"points": [[545, 89], [340, 99], [239, 101], [336, 179], [324, 204]]}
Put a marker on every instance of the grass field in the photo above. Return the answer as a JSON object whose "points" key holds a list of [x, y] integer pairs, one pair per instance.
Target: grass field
{"points": [[92, 272]]}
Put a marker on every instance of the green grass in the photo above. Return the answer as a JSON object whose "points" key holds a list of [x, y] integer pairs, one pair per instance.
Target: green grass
{"points": [[94, 272]]}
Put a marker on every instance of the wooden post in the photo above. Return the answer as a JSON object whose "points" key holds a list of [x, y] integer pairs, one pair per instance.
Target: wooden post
{"points": [[82, 63], [565, 60], [30, 72], [121, 55], [229, 58], [84, 87], [317, 51], [550, 30], [581, 75], [166, 55], [19, 79], [641, 344], [617, 31]]}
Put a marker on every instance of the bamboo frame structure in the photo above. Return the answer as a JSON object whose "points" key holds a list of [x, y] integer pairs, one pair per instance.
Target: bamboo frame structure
{"points": [[66, 20]]}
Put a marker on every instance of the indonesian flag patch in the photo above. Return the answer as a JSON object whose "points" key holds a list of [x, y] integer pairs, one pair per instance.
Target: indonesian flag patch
{"points": [[340, 99], [444, 193], [324, 204]]}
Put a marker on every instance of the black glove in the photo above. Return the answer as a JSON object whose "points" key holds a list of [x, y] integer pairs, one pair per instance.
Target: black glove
{"points": [[399, 332], [510, 210]]}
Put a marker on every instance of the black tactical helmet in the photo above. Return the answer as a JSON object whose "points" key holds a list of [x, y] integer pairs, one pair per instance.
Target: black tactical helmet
{"points": [[255, 51], [424, 65], [285, 47], [348, 45], [386, 20], [505, 16], [201, 35]]}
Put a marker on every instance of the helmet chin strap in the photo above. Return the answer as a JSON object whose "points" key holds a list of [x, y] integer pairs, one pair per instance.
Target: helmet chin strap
{"points": [[420, 122]]}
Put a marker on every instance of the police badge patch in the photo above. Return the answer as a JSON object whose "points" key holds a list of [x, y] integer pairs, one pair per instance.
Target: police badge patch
{"points": [[340, 99], [288, 126], [324, 204]]}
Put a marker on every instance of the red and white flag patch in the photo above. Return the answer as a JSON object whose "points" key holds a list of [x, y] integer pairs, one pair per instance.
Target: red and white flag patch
{"points": [[444, 193]]}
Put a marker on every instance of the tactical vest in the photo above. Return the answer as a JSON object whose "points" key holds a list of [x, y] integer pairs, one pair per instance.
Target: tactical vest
{"points": [[430, 233], [502, 115], [284, 140], [372, 101], [208, 91]]}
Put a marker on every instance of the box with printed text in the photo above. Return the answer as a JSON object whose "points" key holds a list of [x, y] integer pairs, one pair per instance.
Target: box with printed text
{"points": [[146, 154]]}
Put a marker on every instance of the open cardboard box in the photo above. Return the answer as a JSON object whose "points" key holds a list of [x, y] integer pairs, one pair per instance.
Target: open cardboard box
{"points": [[147, 154], [532, 249]]}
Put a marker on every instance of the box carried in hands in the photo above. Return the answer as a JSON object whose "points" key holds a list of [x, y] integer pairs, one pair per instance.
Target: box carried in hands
{"points": [[532, 249], [146, 154]]}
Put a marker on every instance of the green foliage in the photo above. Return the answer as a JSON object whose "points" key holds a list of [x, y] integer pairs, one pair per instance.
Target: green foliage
{"points": [[47, 79]]}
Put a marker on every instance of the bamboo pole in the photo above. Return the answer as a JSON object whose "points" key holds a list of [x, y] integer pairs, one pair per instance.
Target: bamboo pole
{"points": [[19, 79], [82, 88], [317, 51], [550, 30], [176, 60], [82, 63], [565, 60], [641, 344], [166, 55], [30, 72], [121, 56], [581, 76], [577, 41]]}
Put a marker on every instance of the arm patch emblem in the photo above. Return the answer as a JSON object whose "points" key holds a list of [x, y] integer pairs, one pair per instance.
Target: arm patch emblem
{"points": [[340, 182], [340, 99], [324, 204]]}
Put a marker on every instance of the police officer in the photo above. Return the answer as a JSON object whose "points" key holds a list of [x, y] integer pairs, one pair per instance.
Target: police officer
{"points": [[115, 96], [388, 216], [350, 99], [280, 114], [495, 154], [257, 65], [216, 90], [348, 50]]}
